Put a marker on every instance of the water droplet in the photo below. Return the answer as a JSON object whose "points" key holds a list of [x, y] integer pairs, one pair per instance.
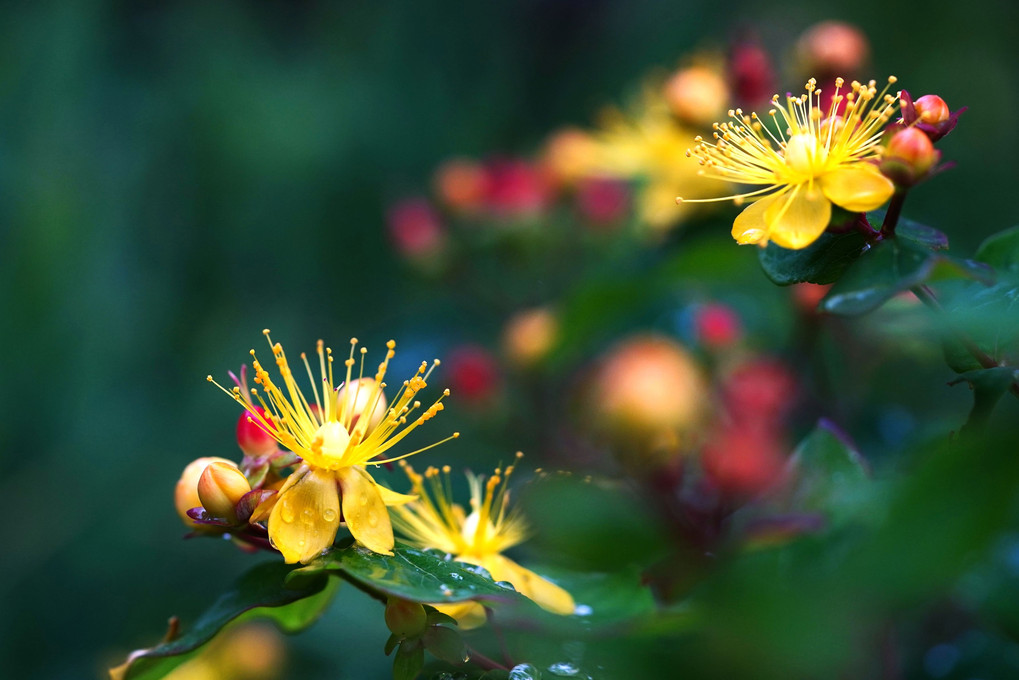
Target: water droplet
{"points": [[447, 558], [308, 516], [456, 577], [300, 544], [524, 671], [582, 610], [564, 669], [364, 499], [287, 512], [329, 515], [373, 520], [505, 584]]}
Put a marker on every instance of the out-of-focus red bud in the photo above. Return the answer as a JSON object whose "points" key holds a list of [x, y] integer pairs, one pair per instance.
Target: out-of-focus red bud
{"points": [[932, 109], [807, 296], [516, 189], [743, 462], [529, 335], [473, 374], [252, 437], [751, 75], [185, 494], [717, 325], [220, 488], [697, 95], [415, 229], [602, 201], [908, 156], [461, 184], [832, 48], [761, 390]]}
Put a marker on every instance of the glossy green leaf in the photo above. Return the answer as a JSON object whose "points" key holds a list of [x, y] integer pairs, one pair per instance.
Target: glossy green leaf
{"points": [[824, 261], [831, 476], [1001, 251], [258, 594], [921, 234], [891, 267], [416, 575]]}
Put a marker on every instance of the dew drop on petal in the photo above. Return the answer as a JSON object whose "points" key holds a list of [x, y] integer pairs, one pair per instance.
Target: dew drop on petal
{"points": [[287, 512], [329, 515], [524, 671], [364, 499], [308, 516], [373, 520]]}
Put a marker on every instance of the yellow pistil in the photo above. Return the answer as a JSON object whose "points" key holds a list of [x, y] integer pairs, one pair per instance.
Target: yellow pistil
{"points": [[816, 159], [335, 444], [434, 521]]}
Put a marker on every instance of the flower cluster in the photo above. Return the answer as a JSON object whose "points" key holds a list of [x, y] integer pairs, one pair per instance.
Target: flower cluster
{"points": [[298, 498]]}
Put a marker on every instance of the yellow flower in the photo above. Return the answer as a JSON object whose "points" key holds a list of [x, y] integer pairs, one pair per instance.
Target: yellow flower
{"points": [[336, 438], [434, 521], [818, 160], [648, 145]]}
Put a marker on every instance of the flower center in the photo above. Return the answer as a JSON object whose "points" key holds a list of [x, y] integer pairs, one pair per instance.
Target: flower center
{"points": [[804, 155], [329, 444]]}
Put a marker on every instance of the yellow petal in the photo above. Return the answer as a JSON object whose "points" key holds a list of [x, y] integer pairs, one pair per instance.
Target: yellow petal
{"points": [[264, 509], [364, 510], [468, 614], [857, 188], [304, 521], [799, 218], [750, 226], [390, 497], [546, 594]]}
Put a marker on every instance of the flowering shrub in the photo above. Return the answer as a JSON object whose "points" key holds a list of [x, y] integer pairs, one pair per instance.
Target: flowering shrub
{"points": [[734, 481]]}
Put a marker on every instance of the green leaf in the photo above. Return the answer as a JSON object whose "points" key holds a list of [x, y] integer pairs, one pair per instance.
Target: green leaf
{"points": [[988, 315], [409, 661], [928, 237], [832, 477], [824, 261], [891, 267], [446, 644], [258, 594], [989, 385], [412, 574], [1001, 251]]}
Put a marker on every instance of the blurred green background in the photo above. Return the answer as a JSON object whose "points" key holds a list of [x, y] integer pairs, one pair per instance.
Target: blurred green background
{"points": [[176, 176]]}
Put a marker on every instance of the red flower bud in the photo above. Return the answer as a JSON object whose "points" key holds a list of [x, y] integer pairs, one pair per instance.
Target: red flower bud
{"points": [[932, 109], [252, 437], [908, 156]]}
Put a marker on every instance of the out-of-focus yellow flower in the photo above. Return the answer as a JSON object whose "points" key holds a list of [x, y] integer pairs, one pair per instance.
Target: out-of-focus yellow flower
{"points": [[434, 521], [335, 440], [816, 159], [648, 145], [697, 94]]}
